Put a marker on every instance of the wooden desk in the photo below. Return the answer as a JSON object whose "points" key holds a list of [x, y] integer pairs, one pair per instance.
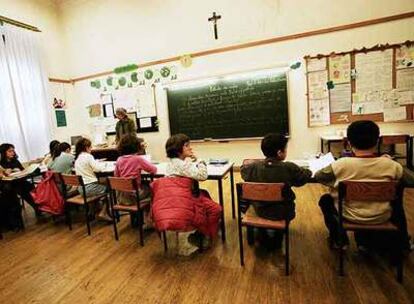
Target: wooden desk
{"points": [[215, 172]]}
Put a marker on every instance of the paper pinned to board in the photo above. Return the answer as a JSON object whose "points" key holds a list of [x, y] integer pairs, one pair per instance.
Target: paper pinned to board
{"points": [[371, 107], [340, 69], [317, 164], [317, 85], [405, 79], [316, 64], [341, 98], [395, 114], [319, 114]]}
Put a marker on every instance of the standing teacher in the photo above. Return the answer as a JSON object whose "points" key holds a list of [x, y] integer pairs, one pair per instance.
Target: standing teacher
{"points": [[125, 125]]}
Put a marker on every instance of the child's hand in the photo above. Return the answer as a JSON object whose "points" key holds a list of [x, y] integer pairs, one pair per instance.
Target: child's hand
{"points": [[386, 156]]}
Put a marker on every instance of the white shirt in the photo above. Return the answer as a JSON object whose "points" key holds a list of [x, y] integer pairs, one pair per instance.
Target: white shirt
{"points": [[196, 170], [86, 166]]}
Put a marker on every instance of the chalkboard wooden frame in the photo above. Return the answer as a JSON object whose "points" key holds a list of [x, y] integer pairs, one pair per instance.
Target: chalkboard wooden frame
{"points": [[233, 108]]}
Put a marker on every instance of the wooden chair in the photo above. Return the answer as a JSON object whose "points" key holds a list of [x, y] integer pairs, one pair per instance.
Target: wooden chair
{"points": [[271, 193], [369, 192], [128, 185], [80, 199], [393, 140]]}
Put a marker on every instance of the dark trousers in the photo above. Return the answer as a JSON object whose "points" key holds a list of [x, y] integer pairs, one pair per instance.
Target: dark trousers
{"points": [[10, 209], [331, 217], [23, 188]]}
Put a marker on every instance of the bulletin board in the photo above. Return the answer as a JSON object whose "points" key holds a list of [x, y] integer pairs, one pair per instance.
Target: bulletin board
{"points": [[374, 83]]}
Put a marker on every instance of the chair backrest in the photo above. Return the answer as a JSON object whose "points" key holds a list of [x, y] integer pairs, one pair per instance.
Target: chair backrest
{"points": [[249, 161], [394, 139], [261, 192], [72, 180], [57, 178], [123, 184], [369, 191]]}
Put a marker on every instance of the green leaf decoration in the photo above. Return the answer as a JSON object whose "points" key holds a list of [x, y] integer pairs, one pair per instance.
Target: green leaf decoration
{"points": [[296, 65], [330, 85], [109, 81], [148, 74], [122, 81], [165, 72], [134, 77], [125, 68], [93, 85]]}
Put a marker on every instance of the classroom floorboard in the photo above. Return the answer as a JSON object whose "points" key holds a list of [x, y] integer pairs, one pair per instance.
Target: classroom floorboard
{"points": [[50, 264]]}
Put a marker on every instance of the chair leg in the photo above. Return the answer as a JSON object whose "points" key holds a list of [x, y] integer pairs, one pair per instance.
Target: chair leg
{"points": [[164, 236], [241, 245], [21, 220], [88, 224], [287, 252], [68, 216], [114, 220], [400, 262], [141, 227]]}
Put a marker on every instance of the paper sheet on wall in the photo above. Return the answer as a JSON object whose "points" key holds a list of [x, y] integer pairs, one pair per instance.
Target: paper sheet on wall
{"points": [[405, 97], [340, 69], [341, 98], [395, 114], [146, 102], [106, 98], [125, 98], [316, 64], [405, 79], [367, 107], [319, 112], [317, 85], [404, 57], [374, 71], [145, 122]]}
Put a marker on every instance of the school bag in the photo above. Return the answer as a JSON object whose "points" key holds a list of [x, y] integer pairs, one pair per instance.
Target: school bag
{"points": [[47, 195]]}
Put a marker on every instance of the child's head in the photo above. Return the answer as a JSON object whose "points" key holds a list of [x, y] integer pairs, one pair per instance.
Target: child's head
{"points": [[178, 145], [62, 147], [83, 145], [53, 145], [120, 113], [363, 134], [7, 152], [274, 145], [130, 144]]}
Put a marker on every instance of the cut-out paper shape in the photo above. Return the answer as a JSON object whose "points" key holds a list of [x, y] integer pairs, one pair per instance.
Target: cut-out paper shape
{"points": [[330, 85]]}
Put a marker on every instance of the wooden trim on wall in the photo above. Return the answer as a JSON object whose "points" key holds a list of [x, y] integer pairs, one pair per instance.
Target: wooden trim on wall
{"points": [[59, 80], [263, 42]]}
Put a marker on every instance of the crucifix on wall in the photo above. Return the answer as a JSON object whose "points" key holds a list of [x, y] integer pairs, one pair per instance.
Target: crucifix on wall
{"points": [[214, 19]]}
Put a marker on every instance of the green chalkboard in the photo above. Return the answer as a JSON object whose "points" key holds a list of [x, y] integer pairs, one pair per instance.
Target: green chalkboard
{"points": [[249, 105], [60, 118]]}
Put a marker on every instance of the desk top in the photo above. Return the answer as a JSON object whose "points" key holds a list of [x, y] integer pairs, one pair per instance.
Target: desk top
{"points": [[214, 171]]}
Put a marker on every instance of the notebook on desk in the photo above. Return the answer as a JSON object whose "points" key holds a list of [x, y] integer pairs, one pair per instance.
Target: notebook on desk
{"points": [[218, 161]]}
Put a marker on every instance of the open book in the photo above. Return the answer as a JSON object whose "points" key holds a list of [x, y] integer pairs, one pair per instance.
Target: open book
{"points": [[20, 174], [321, 162]]}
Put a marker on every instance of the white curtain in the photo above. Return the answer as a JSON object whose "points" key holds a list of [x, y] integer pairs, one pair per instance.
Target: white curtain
{"points": [[24, 115]]}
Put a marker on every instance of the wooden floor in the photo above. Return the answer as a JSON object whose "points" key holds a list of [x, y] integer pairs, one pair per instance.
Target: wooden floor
{"points": [[50, 264]]}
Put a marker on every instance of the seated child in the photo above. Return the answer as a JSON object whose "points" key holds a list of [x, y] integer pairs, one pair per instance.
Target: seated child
{"points": [[48, 157], [364, 166], [9, 161], [130, 164], [86, 166], [10, 208], [274, 169], [194, 209], [62, 160]]}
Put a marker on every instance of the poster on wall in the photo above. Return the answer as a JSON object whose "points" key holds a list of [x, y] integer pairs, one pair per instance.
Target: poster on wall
{"points": [[60, 118], [340, 69]]}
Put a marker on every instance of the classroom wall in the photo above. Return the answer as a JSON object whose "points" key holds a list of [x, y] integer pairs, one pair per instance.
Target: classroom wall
{"points": [[99, 35]]}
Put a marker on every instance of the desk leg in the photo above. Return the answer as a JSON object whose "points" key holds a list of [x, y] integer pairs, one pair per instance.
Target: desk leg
{"points": [[321, 145], [233, 209], [223, 225]]}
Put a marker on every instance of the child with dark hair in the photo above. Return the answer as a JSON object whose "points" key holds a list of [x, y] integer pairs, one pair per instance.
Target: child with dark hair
{"points": [[9, 161], [53, 145], [178, 203], [131, 163], [86, 166], [62, 159], [364, 166], [273, 169]]}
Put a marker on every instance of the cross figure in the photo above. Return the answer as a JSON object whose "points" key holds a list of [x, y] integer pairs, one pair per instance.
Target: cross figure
{"points": [[214, 18]]}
